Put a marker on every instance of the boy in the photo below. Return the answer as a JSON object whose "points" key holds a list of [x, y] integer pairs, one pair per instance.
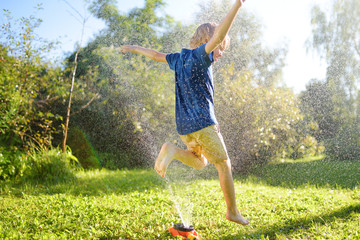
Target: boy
{"points": [[195, 118]]}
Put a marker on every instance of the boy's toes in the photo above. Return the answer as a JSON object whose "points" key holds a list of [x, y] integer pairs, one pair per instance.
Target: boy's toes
{"points": [[161, 173], [238, 219]]}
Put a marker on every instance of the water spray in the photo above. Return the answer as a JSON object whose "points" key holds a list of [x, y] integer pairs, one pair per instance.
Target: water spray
{"points": [[185, 232], [184, 229]]}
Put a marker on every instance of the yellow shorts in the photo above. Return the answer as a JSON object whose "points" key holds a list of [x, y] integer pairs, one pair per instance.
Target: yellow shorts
{"points": [[207, 143]]}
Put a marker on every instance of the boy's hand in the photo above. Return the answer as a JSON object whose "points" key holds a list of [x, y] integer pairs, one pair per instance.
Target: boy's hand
{"points": [[150, 53]]}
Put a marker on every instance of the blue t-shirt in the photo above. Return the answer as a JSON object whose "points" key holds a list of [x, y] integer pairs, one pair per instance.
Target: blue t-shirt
{"points": [[194, 89]]}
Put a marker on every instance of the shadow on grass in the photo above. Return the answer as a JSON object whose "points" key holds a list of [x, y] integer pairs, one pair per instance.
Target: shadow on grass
{"points": [[92, 183], [292, 225], [104, 182], [334, 174]]}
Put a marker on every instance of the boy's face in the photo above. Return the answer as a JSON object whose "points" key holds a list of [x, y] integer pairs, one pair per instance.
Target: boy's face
{"points": [[218, 52]]}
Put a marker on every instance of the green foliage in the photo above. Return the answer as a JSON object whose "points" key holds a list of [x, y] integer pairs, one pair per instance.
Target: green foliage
{"points": [[46, 165], [345, 145], [51, 166], [334, 103], [133, 94], [82, 149], [115, 161], [137, 27], [336, 38], [297, 200], [306, 146], [28, 85], [12, 164], [337, 127], [258, 122], [318, 107], [11, 121]]}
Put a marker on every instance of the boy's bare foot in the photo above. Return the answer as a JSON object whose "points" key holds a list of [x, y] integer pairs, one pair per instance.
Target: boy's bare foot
{"points": [[238, 218], [164, 158]]}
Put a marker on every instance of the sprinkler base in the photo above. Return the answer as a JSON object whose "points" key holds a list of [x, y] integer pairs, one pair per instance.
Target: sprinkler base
{"points": [[185, 232]]}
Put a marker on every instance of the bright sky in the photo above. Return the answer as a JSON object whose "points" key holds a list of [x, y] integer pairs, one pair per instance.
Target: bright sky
{"points": [[285, 22]]}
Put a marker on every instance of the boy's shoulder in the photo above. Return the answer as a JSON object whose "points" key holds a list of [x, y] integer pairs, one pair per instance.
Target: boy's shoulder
{"points": [[186, 51], [198, 55], [200, 50]]}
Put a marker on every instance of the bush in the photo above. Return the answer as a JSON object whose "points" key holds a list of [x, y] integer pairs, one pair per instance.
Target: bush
{"points": [[260, 122], [82, 149], [307, 147], [12, 163], [345, 145], [51, 166], [29, 84], [336, 116]]}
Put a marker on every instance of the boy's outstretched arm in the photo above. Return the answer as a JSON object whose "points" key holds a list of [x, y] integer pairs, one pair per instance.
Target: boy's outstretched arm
{"points": [[150, 53], [223, 28]]}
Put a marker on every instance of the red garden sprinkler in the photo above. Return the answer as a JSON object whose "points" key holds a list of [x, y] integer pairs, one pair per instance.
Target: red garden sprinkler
{"points": [[185, 232]]}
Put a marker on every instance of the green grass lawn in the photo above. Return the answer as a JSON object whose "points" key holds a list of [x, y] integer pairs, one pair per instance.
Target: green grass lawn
{"points": [[290, 200]]}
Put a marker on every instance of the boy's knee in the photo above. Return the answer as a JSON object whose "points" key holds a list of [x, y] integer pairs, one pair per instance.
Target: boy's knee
{"points": [[223, 164], [168, 148], [202, 163], [167, 145]]}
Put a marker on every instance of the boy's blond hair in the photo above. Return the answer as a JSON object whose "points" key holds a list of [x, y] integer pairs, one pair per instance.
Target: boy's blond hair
{"points": [[203, 34]]}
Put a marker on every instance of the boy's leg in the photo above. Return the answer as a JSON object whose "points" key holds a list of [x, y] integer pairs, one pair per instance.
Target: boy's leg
{"points": [[214, 150], [170, 152], [227, 186]]}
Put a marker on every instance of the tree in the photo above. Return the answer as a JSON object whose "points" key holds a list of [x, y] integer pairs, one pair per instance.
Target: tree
{"points": [[317, 102], [66, 127], [260, 122], [28, 86], [138, 27], [133, 93], [336, 37]]}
